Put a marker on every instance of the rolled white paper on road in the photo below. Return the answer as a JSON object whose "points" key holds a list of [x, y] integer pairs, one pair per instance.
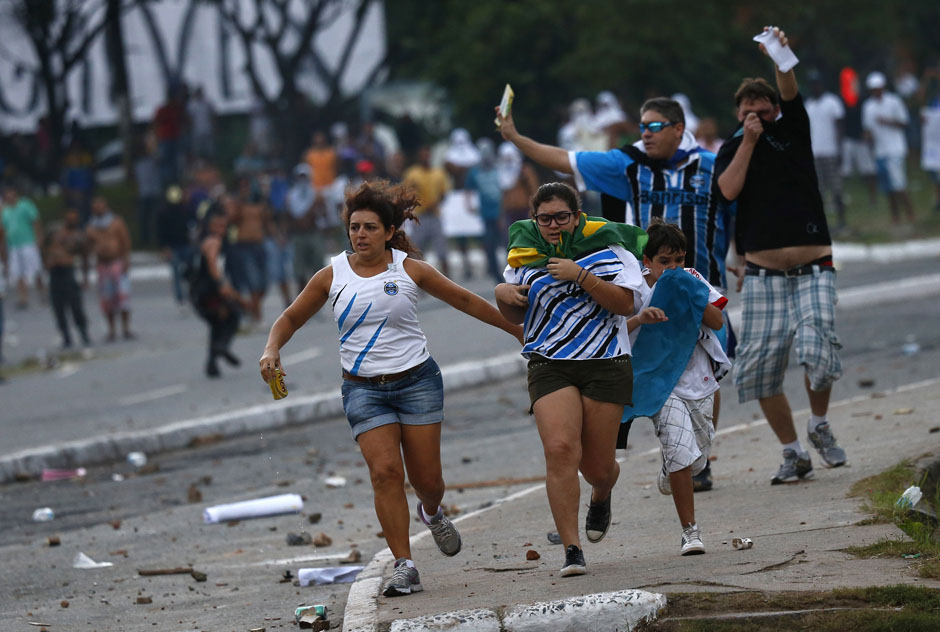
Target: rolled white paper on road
{"points": [[782, 55], [270, 506], [329, 575]]}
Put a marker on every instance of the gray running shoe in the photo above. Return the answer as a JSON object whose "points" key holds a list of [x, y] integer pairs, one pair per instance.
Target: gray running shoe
{"points": [[692, 541], [404, 580], [794, 468], [825, 443], [445, 534]]}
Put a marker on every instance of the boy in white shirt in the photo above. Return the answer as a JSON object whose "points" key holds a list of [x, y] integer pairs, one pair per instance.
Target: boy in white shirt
{"points": [[684, 423]]}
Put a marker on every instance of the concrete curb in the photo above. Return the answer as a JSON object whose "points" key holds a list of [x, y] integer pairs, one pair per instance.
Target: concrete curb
{"points": [[619, 611], [256, 419]]}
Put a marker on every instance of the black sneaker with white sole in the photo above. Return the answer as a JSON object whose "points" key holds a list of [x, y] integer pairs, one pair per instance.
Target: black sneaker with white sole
{"points": [[574, 562], [597, 521]]}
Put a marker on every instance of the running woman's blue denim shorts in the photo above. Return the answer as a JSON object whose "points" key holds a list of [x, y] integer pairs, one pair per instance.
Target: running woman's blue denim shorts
{"points": [[414, 400]]}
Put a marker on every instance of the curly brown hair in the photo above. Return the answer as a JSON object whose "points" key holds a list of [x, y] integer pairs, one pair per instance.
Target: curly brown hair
{"points": [[392, 203]]}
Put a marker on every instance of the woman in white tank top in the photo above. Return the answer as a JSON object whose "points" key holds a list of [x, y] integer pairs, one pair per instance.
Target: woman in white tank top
{"points": [[392, 388]]}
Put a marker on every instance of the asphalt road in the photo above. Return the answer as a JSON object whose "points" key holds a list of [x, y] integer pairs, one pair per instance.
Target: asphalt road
{"points": [[487, 436]]}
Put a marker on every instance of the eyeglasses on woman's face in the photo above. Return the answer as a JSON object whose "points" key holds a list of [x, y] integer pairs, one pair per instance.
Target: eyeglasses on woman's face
{"points": [[560, 218]]}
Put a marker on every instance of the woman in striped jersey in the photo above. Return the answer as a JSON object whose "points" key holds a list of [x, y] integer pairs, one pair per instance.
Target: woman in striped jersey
{"points": [[570, 281]]}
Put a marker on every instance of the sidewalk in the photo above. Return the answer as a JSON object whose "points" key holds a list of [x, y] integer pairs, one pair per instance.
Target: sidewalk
{"points": [[799, 533]]}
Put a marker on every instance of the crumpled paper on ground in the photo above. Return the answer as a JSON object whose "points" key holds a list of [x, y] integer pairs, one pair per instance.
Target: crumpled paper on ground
{"points": [[328, 575], [83, 561]]}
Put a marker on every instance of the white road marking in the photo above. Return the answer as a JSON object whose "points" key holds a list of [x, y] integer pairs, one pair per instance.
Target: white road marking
{"points": [[300, 356], [148, 396]]}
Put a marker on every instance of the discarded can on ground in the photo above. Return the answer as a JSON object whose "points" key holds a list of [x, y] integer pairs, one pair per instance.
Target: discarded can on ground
{"points": [[742, 543], [137, 459], [318, 610], [43, 514], [278, 390]]}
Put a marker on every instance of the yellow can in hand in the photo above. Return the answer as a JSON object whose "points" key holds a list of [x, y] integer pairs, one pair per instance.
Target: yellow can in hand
{"points": [[278, 390]]}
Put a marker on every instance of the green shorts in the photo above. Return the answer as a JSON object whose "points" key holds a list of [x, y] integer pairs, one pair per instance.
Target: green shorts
{"points": [[604, 380]]}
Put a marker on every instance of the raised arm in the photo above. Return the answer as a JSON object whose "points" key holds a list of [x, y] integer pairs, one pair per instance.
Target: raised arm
{"points": [[554, 158], [786, 81]]}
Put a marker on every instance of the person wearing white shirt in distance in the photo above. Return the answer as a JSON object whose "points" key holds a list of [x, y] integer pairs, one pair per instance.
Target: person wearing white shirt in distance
{"points": [[885, 119]]}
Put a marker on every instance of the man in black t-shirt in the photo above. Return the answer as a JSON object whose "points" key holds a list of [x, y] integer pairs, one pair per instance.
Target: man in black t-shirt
{"points": [[788, 279]]}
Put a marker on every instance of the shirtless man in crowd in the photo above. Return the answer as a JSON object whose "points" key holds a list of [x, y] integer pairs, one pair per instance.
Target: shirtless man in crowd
{"points": [[111, 245], [247, 259], [63, 243]]}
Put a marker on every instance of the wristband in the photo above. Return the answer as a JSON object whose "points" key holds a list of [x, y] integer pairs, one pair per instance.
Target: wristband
{"points": [[578, 280]]}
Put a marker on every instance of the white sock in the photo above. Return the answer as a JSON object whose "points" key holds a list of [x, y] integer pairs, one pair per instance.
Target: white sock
{"points": [[409, 563], [428, 518], [814, 421], [795, 446]]}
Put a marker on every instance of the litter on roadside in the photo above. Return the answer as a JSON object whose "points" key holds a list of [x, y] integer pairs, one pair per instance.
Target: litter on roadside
{"points": [[259, 507], [137, 459], [335, 481], [553, 537], [328, 575], [83, 561], [43, 514], [910, 497], [302, 611], [180, 570], [51, 474], [742, 544], [299, 539]]}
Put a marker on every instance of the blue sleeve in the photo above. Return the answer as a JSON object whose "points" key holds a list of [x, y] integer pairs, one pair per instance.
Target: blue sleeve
{"points": [[604, 171]]}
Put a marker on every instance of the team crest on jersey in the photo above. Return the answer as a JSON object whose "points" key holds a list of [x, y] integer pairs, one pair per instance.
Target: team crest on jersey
{"points": [[391, 288], [697, 180]]}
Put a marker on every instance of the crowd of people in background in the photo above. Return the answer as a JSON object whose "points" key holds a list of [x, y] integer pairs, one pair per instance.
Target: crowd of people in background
{"points": [[282, 213]]}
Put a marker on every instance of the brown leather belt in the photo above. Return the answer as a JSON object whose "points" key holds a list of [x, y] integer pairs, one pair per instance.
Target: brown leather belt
{"points": [[382, 379]]}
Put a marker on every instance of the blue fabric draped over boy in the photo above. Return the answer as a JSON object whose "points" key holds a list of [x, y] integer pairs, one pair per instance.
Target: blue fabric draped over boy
{"points": [[528, 248], [662, 350]]}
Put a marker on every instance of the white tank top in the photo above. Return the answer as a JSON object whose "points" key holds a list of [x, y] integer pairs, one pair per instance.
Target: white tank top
{"points": [[377, 318]]}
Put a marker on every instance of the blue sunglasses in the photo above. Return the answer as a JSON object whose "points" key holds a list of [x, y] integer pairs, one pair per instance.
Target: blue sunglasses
{"points": [[655, 126]]}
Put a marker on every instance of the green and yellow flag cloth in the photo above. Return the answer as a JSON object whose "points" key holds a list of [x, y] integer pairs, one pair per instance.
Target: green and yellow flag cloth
{"points": [[528, 248]]}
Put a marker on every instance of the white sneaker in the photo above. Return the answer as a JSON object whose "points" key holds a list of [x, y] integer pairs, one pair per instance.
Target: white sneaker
{"points": [[692, 541]]}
